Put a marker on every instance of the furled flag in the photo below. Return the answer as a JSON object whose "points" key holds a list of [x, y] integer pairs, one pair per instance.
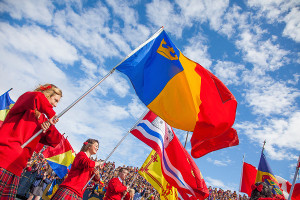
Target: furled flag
{"points": [[52, 189], [265, 174], [183, 93], [248, 178], [6, 103], [151, 171], [60, 158], [178, 167]]}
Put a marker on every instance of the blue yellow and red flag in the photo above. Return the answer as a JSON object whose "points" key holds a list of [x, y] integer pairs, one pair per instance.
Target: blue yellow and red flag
{"points": [[183, 93], [265, 174], [60, 158], [6, 103]]}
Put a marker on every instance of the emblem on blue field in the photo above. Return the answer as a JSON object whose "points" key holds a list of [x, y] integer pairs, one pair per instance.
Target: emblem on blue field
{"points": [[166, 51]]}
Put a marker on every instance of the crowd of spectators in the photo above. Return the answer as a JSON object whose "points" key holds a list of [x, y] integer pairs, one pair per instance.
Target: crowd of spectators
{"points": [[140, 188]]}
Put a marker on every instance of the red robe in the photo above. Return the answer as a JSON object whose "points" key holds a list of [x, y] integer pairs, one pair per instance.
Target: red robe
{"points": [[19, 125], [81, 171], [115, 190]]}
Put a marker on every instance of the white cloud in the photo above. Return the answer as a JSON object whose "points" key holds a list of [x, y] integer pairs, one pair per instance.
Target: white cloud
{"points": [[215, 183], [267, 97], [292, 28], [197, 51], [228, 72], [219, 162], [38, 11], [281, 135], [164, 13], [264, 55]]}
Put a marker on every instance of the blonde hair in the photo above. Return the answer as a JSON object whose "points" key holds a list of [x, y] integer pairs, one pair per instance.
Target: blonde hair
{"points": [[87, 144], [49, 90]]}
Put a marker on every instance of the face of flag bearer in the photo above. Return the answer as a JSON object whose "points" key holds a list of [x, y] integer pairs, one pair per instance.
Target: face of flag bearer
{"points": [[94, 148], [54, 99]]}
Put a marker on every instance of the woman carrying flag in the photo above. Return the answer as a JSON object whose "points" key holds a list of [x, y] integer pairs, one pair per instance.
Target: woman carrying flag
{"points": [[26, 118], [81, 171]]}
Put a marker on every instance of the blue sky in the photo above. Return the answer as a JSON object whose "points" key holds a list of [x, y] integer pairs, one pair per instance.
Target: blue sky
{"points": [[252, 46]]}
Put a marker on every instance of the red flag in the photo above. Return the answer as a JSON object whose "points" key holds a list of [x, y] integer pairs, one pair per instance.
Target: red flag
{"points": [[217, 114], [39, 147], [178, 167], [248, 178], [296, 192]]}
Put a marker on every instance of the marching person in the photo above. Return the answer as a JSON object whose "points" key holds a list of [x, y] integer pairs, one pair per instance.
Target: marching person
{"points": [[116, 188], [24, 119], [81, 171]]}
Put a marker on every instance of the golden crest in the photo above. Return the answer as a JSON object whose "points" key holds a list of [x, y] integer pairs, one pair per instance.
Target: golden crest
{"points": [[166, 51]]}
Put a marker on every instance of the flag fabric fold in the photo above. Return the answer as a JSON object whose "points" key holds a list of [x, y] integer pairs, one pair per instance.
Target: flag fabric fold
{"points": [[178, 167], [284, 185], [6, 103], [248, 178], [151, 171], [265, 174], [183, 93], [60, 158]]}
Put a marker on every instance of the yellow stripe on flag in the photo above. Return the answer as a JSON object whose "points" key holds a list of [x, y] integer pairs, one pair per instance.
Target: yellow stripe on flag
{"points": [[151, 171], [65, 159]]}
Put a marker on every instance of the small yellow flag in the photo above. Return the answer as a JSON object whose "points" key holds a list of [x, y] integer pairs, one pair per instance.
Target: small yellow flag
{"points": [[151, 171]]}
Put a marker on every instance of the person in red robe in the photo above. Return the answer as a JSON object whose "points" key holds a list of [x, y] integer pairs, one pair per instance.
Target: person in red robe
{"points": [[116, 188], [83, 168], [26, 118]]}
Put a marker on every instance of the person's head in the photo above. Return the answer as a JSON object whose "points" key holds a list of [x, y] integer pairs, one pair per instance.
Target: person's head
{"points": [[51, 92], [261, 190], [123, 172], [91, 146]]}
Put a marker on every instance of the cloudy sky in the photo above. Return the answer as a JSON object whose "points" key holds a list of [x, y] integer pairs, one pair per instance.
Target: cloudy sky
{"points": [[252, 46]]}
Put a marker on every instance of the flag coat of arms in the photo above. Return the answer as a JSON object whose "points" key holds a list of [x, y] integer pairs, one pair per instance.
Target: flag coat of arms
{"points": [[178, 167], [6, 103], [265, 174], [60, 158], [151, 171], [183, 93]]}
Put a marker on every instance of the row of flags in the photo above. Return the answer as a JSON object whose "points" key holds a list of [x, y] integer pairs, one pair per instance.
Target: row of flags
{"points": [[251, 175], [180, 93]]}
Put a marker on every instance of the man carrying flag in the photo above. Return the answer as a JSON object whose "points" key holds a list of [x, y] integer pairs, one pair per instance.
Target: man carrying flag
{"points": [[5, 105], [183, 93], [178, 167]]}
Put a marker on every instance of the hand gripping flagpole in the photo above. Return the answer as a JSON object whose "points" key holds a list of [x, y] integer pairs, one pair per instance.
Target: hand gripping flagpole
{"points": [[70, 106], [138, 121], [293, 185], [93, 87]]}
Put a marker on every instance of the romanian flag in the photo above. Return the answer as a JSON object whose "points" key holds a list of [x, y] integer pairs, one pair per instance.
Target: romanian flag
{"points": [[60, 158], [5, 105], [183, 93], [151, 171], [265, 174]]}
